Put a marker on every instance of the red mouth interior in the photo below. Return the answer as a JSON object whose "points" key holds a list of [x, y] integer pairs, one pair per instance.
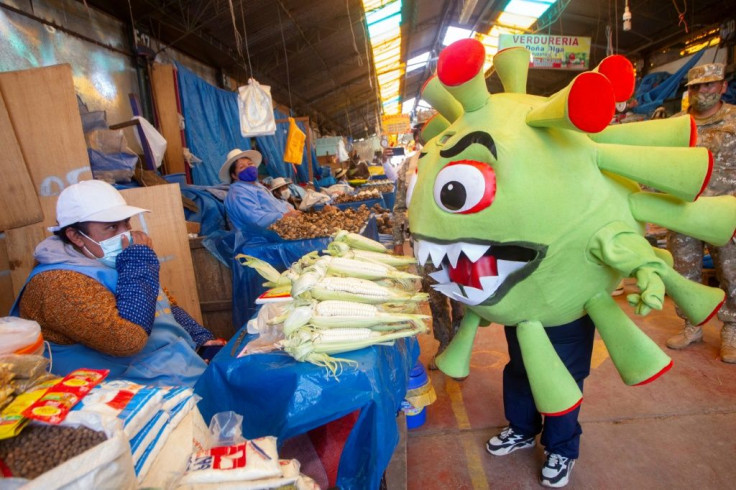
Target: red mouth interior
{"points": [[469, 273]]}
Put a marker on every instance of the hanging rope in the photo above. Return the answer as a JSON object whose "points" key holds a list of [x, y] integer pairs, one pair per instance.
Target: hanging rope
{"points": [[245, 37], [286, 60], [681, 15], [355, 45]]}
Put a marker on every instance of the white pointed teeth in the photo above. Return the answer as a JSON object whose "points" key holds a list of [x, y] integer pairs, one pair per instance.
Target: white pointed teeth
{"points": [[437, 252], [474, 251], [421, 251], [507, 267], [453, 253], [441, 276]]}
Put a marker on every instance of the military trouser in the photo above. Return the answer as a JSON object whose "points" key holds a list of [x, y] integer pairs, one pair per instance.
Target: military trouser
{"points": [[446, 313], [688, 254]]}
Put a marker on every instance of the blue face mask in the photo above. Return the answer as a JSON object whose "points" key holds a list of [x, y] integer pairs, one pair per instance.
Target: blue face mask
{"points": [[111, 248], [250, 174]]}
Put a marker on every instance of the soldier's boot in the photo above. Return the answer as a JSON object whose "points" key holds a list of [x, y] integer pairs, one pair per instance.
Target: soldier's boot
{"points": [[728, 343], [689, 335]]}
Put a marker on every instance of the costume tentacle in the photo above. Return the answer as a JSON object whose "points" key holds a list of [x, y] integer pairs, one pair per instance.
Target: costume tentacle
{"points": [[545, 369], [455, 360]]}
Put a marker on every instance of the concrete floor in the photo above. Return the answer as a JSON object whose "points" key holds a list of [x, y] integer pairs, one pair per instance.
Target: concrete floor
{"points": [[677, 432]]}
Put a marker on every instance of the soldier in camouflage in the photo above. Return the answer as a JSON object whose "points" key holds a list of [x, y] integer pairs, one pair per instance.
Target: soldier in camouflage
{"points": [[446, 313], [716, 124]]}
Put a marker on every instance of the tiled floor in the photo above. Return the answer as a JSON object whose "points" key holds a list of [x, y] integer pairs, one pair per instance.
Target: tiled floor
{"points": [[677, 432]]}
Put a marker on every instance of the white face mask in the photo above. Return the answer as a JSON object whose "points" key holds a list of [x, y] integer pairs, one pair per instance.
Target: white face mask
{"points": [[285, 194], [111, 248]]}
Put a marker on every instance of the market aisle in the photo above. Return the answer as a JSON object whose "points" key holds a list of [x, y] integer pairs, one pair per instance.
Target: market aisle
{"points": [[678, 432]]}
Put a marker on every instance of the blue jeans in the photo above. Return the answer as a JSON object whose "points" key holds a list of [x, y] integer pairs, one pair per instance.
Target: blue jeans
{"points": [[573, 342]]}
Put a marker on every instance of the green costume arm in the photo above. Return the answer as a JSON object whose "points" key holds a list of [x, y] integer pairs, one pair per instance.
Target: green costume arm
{"points": [[623, 249], [455, 360]]}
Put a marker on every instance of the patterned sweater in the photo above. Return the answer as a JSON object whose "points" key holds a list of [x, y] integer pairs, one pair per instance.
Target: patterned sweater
{"points": [[74, 308]]}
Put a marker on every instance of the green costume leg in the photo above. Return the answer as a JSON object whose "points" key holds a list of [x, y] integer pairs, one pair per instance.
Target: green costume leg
{"points": [[554, 389]]}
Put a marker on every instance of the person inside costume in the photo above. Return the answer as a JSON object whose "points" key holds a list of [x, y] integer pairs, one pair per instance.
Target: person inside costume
{"points": [[716, 126], [531, 210], [249, 204], [96, 294]]}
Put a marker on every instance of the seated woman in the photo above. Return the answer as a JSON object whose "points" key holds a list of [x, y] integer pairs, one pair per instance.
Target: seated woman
{"points": [[249, 204], [96, 294], [281, 190]]}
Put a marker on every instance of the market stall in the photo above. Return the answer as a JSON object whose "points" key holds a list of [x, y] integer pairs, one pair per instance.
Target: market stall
{"points": [[280, 396]]}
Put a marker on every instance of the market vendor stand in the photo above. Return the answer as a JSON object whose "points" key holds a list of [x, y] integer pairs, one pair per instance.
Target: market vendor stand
{"points": [[280, 396]]}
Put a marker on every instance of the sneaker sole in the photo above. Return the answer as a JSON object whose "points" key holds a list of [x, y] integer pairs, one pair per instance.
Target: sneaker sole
{"points": [[504, 451], [559, 484]]}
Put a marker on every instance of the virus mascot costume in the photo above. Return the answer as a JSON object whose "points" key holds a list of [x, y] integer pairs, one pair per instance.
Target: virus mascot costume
{"points": [[530, 207]]}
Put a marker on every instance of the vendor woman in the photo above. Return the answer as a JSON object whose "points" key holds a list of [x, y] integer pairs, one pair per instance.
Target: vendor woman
{"points": [[96, 294], [248, 203]]}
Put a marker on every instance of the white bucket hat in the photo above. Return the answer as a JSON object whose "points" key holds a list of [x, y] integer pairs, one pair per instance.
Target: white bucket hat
{"points": [[278, 182], [92, 200], [234, 155]]}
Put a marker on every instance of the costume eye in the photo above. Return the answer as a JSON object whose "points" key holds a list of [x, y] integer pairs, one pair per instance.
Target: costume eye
{"points": [[410, 187], [465, 187]]}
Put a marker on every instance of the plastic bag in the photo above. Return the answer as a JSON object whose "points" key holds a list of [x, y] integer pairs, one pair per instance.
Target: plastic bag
{"points": [[255, 109], [156, 142], [17, 334], [226, 429], [294, 144], [312, 198]]}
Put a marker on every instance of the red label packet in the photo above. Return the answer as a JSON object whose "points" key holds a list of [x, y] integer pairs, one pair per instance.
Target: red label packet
{"points": [[53, 406]]}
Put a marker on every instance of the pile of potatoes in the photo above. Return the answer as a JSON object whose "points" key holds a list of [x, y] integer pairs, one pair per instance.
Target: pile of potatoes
{"points": [[384, 219], [323, 223], [362, 195]]}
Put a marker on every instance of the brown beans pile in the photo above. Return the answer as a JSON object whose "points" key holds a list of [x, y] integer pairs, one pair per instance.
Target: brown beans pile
{"points": [[384, 219], [40, 448], [323, 223], [362, 195], [381, 186]]}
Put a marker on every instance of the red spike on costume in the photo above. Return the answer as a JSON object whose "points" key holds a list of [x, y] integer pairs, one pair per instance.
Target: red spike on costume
{"points": [[590, 105], [707, 175], [620, 72], [460, 62], [693, 132]]}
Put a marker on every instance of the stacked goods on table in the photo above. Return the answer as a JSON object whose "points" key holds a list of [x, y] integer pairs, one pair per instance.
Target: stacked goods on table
{"points": [[362, 195], [357, 296], [384, 219], [382, 186], [40, 442], [323, 223]]}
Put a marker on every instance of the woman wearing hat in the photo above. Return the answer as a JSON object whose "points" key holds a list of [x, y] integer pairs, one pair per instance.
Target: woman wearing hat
{"points": [[96, 294], [280, 190], [248, 203]]}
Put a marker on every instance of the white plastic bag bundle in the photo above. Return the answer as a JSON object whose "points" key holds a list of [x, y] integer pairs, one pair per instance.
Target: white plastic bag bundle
{"points": [[156, 142], [17, 334], [255, 108], [313, 198]]}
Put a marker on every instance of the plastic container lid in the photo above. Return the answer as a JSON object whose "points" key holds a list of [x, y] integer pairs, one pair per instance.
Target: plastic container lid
{"points": [[417, 376], [19, 336]]}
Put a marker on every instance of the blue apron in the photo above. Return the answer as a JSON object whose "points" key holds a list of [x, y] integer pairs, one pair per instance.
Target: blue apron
{"points": [[167, 359]]}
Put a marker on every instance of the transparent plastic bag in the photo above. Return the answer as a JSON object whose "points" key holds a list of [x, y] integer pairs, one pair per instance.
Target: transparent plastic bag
{"points": [[255, 109]]}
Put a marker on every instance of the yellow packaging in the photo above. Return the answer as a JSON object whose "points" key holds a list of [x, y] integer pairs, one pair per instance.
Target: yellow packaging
{"points": [[11, 419]]}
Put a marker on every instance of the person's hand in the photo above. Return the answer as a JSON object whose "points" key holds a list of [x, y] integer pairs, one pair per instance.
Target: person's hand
{"points": [[398, 249], [216, 342], [139, 238]]}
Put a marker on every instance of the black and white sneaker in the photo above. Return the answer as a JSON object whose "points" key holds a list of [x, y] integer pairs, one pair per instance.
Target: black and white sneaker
{"points": [[556, 471], [507, 442]]}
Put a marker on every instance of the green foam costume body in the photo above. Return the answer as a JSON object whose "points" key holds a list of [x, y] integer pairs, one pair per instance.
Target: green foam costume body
{"points": [[531, 208]]}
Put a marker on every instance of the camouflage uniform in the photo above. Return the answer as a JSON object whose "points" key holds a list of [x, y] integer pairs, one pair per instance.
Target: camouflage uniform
{"points": [[718, 134], [446, 313]]}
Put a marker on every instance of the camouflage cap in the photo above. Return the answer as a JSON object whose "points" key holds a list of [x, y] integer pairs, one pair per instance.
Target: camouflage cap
{"points": [[711, 72]]}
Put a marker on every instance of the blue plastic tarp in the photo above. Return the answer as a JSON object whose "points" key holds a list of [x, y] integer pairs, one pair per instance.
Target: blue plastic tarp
{"points": [[282, 397], [211, 215]]}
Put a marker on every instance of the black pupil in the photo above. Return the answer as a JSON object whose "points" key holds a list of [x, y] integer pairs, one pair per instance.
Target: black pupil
{"points": [[453, 195]]}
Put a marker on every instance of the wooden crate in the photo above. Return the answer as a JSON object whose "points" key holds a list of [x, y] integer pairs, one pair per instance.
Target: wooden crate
{"points": [[214, 288]]}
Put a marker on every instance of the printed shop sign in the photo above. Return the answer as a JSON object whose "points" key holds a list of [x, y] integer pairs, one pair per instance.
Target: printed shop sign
{"points": [[396, 124], [555, 52]]}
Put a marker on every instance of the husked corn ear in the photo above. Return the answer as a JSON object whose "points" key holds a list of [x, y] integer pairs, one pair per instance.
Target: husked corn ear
{"points": [[345, 308], [355, 286], [339, 335], [360, 290], [360, 242]]}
